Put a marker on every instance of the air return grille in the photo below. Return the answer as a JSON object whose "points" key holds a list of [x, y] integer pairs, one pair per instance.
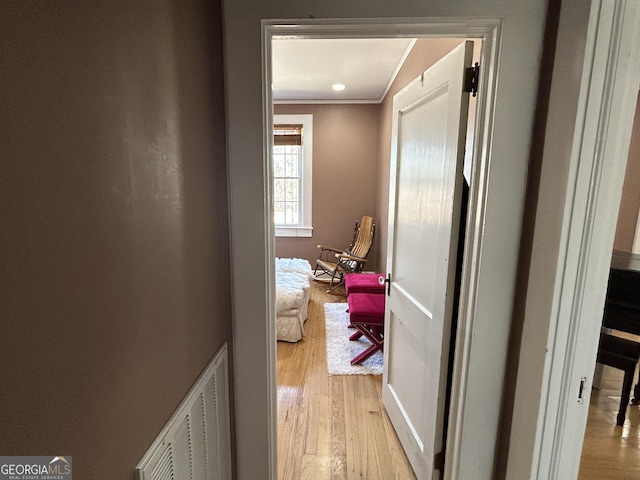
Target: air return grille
{"points": [[195, 444]]}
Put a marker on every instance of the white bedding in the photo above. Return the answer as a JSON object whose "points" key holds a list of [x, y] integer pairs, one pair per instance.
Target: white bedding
{"points": [[297, 265], [290, 290], [292, 297]]}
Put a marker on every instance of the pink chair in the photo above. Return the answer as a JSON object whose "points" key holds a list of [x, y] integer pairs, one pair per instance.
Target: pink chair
{"points": [[366, 313]]}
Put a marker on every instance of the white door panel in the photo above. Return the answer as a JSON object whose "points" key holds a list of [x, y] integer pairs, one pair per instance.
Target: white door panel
{"points": [[428, 150]]}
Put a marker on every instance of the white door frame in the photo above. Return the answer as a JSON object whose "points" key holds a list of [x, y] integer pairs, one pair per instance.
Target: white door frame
{"points": [[566, 293], [470, 446], [253, 338], [253, 349]]}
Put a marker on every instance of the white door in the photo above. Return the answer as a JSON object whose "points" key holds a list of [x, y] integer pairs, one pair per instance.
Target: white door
{"points": [[429, 126]]}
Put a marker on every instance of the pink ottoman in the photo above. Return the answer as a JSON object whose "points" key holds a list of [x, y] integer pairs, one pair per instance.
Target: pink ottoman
{"points": [[366, 313], [363, 283]]}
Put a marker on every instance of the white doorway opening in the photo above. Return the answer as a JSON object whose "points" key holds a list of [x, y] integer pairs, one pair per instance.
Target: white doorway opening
{"points": [[476, 309]]}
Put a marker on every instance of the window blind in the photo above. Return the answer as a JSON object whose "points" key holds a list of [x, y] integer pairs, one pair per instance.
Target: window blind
{"points": [[287, 135]]}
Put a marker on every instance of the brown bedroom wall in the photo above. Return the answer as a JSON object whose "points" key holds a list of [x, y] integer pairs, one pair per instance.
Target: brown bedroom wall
{"points": [[630, 203], [425, 53], [114, 276], [336, 197], [345, 175]]}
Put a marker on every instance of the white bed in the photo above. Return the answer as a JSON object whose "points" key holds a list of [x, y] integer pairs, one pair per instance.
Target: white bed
{"points": [[292, 297]]}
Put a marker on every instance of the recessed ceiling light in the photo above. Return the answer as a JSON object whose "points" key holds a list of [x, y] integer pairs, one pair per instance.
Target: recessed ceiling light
{"points": [[338, 87]]}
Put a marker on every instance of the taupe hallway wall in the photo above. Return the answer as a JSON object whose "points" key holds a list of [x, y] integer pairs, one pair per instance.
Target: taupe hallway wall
{"points": [[630, 204], [114, 273]]}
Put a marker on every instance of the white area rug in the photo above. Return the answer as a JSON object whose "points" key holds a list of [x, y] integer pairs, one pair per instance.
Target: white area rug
{"points": [[340, 350]]}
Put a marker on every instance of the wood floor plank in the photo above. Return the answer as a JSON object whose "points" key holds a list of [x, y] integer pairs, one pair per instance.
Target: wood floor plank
{"points": [[610, 451], [356, 424], [338, 431]]}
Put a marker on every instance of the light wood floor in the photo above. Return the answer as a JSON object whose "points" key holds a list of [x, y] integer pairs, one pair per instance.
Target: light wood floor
{"points": [[609, 451], [334, 427], [331, 427]]}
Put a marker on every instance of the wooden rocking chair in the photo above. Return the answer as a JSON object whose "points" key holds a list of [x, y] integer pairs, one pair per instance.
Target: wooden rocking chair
{"points": [[335, 263]]}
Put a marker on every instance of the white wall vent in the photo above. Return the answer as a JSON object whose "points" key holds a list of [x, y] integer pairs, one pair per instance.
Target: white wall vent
{"points": [[196, 442]]}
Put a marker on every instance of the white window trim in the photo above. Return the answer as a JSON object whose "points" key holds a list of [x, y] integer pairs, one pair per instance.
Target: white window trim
{"points": [[305, 229]]}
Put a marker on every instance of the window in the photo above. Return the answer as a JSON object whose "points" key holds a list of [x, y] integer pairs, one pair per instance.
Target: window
{"points": [[292, 149]]}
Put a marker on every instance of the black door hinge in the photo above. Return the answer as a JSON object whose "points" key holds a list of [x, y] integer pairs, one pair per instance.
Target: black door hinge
{"points": [[471, 79]]}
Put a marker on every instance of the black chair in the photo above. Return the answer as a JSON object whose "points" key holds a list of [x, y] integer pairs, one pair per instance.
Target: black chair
{"points": [[623, 354]]}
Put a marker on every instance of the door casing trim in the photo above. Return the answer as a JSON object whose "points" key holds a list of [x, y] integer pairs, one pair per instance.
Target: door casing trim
{"points": [[463, 406]]}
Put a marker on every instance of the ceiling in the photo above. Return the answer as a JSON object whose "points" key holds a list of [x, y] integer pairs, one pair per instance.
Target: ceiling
{"points": [[305, 69]]}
